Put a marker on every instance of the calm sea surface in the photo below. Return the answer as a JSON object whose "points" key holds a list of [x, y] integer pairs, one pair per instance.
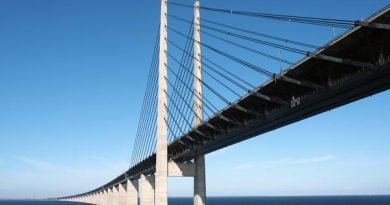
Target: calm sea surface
{"points": [[299, 200]]}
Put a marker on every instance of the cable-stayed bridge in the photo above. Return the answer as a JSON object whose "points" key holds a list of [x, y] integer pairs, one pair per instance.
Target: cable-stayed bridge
{"points": [[220, 83]]}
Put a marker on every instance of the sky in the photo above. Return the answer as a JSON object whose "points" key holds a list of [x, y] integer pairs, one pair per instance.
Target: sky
{"points": [[72, 80]]}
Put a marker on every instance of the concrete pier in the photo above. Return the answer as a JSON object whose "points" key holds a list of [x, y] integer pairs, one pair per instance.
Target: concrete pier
{"points": [[122, 193], [132, 192], [147, 190]]}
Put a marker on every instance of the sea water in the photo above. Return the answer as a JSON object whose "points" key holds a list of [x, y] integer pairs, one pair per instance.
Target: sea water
{"points": [[296, 200]]}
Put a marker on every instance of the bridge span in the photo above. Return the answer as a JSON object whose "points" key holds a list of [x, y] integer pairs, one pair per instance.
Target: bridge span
{"points": [[350, 67]]}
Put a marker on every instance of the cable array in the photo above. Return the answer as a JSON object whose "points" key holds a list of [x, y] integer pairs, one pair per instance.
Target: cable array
{"points": [[230, 69], [339, 23], [145, 140], [237, 103], [180, 97]]}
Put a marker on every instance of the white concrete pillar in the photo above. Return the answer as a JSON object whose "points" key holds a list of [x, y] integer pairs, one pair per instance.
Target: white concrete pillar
{"points": [[96, 198], [106, 199], [115, 195], [89, 198], [161, 192], [200, 176], [121, 196], [111, 196], [101, 197], [92, 198], [147, 194], [132, 192], [198, 99]]}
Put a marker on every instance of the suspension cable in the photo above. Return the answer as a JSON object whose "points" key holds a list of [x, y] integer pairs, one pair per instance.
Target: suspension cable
{"points": [[247, 31], [254, 67], [340, 23]]}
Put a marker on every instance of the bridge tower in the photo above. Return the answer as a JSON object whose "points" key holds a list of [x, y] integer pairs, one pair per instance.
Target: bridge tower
{"points": [[161, 176], [199, 175], [165, 169]]}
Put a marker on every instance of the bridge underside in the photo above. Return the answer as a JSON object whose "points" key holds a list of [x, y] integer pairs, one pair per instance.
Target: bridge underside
{"points": [[351, 67], [354, 66]]}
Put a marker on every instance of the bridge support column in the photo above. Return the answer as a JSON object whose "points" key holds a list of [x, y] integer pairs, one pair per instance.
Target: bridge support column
{"points": [[200, 181], [92, 199], [106, 197], [161, 194], [88, 199], [97, 198], [111, 197], [115, 195], [101, 198], [200, 175], [132, 192], [147, 195], [121, 196]]}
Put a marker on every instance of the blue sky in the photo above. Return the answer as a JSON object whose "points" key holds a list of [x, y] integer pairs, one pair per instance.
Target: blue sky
{"points": [[72, 79]]}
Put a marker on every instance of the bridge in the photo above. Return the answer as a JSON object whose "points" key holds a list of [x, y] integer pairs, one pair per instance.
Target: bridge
{"points": [[184, 117]]}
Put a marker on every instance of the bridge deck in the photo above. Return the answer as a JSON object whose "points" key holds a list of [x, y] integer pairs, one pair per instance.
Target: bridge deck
{"points": [[316, 84]]}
